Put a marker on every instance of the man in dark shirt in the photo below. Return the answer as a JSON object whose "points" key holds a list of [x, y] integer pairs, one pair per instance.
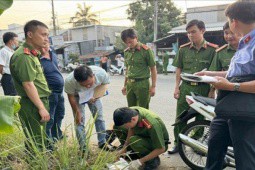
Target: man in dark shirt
{"points": [[56, 99]]}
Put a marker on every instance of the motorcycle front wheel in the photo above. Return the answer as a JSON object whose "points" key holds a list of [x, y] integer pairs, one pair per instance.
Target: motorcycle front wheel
{"points": [[197, 130]]}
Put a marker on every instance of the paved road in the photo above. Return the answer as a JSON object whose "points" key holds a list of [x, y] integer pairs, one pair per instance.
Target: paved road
{"points": [[162, 103]]}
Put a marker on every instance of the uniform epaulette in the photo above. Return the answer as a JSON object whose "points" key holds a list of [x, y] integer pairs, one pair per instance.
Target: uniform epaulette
{"points": [[26, 51], [126, 49], [145, 47], [184, 45], [221, 48], [212, 45], [146, 123]]}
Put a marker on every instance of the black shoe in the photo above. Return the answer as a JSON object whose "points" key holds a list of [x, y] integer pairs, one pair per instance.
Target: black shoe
{"points": [[106, 147], [152, 164], [173, 150]]}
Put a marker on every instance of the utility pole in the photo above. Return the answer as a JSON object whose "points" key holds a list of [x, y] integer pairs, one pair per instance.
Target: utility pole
{"points": [[53, 18], [155, 19], [155, 25]]}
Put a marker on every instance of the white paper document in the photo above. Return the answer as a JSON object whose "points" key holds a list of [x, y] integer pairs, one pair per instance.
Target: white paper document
{"points": [[195, 78], [97, 92]]}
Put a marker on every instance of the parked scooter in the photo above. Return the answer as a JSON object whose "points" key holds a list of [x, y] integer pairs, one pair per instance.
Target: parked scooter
{"points": [[193, 140], [116, 70]]}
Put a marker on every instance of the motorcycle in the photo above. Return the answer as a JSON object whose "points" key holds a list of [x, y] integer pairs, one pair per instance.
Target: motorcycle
{"points": [[193, 139], [116, 70]]}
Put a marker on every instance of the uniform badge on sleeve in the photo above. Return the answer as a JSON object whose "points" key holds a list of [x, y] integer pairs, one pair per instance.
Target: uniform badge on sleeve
{"points": [[27, 51], [146, 123]]}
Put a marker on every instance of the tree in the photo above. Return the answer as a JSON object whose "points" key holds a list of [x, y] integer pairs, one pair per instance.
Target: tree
{"points": [[5, 4], [142, 13], [83, 16], [119, 44]]}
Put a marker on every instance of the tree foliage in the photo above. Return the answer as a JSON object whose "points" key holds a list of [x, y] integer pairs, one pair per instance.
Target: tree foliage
{"points": [[142, 13], [5, 4], [119, 44], [83, 16]]}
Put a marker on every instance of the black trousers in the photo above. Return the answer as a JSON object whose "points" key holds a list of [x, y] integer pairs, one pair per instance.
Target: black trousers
{"points": [[242, 135], [104, 66], [8, 86]]}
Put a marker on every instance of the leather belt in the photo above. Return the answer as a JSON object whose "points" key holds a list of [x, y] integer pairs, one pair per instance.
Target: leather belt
{"points": [[136, 80], [193, 83]]}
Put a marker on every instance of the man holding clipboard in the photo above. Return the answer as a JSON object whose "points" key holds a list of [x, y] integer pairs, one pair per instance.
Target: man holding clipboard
{"points": [[85, 86]]}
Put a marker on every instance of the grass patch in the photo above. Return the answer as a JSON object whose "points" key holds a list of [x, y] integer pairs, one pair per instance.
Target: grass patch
{"points": [[13, 154]]}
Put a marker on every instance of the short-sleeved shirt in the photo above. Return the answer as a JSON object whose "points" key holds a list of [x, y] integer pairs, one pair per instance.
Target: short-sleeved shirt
{"points": [[243, 62], [191, 60], [157, 133], [25, 66], [73, 87], [53, 76], [5, 56], [222, 58], [138, 61]]}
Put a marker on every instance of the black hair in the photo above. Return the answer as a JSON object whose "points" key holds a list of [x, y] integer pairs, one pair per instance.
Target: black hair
{"points": [[9, 36], [128, 33], [198, 23], [32, 25], [241, 11], [226, 26], [82, 73], [123, 115]]}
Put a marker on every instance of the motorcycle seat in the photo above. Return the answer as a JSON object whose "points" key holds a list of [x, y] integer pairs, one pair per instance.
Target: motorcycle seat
{"points": [[205, 100]]}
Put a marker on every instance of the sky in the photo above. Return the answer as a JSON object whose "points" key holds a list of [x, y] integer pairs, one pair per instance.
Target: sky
{"points": [[25, 10]]}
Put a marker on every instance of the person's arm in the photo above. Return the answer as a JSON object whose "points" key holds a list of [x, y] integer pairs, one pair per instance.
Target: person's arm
{"points": [[153, 154], [124, 90], [153, 80], [1, 69], [224, 84], [212, 73], [75, 108], [177, 83], [33, 95], [127, 142]]}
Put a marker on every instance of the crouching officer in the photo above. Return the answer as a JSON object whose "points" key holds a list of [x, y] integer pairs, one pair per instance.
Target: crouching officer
{"points": [[145, 134]]}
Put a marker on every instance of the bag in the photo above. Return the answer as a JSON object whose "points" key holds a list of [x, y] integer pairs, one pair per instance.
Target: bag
{"points": [[236, 105]]}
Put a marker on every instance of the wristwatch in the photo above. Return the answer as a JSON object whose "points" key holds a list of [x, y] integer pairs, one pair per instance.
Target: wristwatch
{"points": [[236, 86]]}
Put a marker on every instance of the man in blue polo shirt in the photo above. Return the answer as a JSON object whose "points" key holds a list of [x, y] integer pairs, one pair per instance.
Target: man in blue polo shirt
{"points": [[56, 99]]}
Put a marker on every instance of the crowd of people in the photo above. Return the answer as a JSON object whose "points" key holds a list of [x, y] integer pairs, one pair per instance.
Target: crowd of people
{"points": [[32, 73]]}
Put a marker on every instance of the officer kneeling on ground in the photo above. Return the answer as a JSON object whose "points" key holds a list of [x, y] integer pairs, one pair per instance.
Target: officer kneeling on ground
{"points": [[145, 134]]}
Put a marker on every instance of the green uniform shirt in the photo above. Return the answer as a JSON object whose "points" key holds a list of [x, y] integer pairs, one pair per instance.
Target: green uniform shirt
{"points": [[191, 60], [138, 61], [165, 59], [157, 133], [222, 58], [25, 66]]}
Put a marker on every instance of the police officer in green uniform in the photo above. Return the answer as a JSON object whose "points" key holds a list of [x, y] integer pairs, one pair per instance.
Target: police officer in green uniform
{"points": [[145, 133], [139, 61], [31, 84], [191, 57], [165, 58], [225, 53]]}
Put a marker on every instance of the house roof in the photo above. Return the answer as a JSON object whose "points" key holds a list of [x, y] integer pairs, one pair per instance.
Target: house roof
{"points": [[217, 26], [97, 54], [164, 38]]}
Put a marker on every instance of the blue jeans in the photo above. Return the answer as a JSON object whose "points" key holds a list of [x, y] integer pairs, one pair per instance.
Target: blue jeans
{"points": [[57, 112], [97, 110]]}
